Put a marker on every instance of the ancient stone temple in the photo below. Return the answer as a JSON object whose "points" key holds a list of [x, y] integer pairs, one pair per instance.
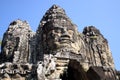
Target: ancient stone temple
{"points": [[56, 51]]}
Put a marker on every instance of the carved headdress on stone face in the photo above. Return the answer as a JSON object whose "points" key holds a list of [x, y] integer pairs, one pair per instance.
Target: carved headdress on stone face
{"points": [[56, 16]]}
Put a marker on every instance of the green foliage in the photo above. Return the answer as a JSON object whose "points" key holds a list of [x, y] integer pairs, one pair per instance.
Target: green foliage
{"points": [[0, 42]]}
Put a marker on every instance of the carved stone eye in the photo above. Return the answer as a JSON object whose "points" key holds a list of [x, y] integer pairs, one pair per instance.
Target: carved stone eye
{"points": [[57, 30]]}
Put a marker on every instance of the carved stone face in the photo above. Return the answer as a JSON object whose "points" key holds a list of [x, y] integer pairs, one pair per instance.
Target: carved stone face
{"points": [[59, 37]]}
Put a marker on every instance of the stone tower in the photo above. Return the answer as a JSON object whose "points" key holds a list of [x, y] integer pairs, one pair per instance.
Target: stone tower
{"points": [[56, 51]]}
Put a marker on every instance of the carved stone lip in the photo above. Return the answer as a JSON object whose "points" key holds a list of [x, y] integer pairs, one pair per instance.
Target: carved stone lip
{"points": [[64, 39]]}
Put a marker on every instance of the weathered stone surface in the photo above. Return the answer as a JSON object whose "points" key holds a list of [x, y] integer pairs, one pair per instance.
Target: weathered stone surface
{"points": [[15, 43], [100, 73], [57, 51], [118, 73], [16, 71], [99, 52]]}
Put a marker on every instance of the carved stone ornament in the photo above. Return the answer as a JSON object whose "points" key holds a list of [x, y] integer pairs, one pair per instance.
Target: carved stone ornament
{"points": [[56, 51]]}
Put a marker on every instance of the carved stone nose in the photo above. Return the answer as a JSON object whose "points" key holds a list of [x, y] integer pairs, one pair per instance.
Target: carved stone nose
{"points": [[64, 30], [65, 33]]}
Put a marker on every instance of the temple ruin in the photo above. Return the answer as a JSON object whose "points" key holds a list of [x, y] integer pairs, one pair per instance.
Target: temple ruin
{"points": [[56, 51]]}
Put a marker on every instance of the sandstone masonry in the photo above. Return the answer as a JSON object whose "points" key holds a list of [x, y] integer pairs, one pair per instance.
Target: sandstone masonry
{"points": [[56, 51]]}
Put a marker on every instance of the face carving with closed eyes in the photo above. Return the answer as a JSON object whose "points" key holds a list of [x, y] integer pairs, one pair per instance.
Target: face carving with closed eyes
{"points": [[59, 37]]}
